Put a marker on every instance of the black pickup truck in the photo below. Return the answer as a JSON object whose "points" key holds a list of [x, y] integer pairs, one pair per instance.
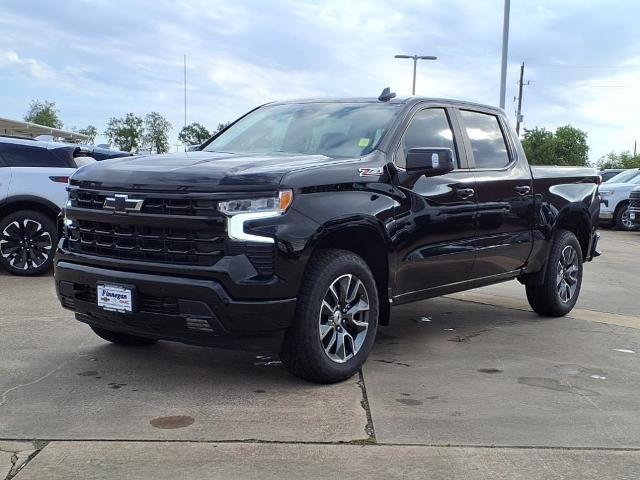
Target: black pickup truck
{"points": [[304, 222]]}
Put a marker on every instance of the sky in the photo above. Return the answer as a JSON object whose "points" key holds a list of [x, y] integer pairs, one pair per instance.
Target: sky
{"points": [[99, 59]]}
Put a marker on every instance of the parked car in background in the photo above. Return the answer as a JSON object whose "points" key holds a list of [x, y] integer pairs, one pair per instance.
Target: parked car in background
{"points": [[33, 182], [634, 207], [99, 153], [614, 196], [609, 173]]}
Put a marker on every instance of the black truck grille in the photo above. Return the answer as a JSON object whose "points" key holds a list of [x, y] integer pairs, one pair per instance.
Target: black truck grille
{"points": [[178, 229], [94, 200], [635, 203], [136, 242]]}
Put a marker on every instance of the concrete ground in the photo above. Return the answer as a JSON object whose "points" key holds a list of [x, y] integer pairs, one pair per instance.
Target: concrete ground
{"points": [[470, 386]]}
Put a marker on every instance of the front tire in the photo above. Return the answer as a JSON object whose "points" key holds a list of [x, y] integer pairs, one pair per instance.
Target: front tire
{"points": [[121, 338], [336, 319], [27, 242], [563, 278]]}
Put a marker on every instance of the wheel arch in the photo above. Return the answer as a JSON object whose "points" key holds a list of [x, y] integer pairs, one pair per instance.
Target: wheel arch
{"points": [[577, 221], [620, 205], [364, 238], [28, 202], [573, 218]]}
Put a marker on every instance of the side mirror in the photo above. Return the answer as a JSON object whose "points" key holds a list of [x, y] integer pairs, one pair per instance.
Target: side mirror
{"points": [[193, 148], [430, 161]]}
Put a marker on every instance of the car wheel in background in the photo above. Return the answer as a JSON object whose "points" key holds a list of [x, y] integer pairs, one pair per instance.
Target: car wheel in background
{"points": [[563, 278], [622, 220], [27, 242], [336, 319]]}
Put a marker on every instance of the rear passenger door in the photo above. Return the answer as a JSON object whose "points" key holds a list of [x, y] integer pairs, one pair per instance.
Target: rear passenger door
{"points": [[435, 220], [504, 193], [36, 171], [5, 178]]}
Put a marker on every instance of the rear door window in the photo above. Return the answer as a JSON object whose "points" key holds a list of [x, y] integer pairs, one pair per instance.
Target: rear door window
{"points": [[486, 138]]}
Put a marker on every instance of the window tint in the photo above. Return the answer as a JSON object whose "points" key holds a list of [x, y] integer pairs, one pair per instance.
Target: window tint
{"points": [[2, 162], [28, 156], [429, 128], [487, 140], [331, 129]]}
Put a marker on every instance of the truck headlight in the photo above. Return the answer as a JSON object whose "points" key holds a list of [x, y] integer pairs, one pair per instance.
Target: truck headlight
{"points": [[277, 204], [606, 193], [241, 211]]}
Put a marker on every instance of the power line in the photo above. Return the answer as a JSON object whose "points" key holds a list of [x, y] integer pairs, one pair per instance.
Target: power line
{"points": [[567, 65], [544, 82]]}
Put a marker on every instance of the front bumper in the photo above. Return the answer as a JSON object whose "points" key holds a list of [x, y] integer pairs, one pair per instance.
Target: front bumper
{"points": [[634, 216], [188, 310]]}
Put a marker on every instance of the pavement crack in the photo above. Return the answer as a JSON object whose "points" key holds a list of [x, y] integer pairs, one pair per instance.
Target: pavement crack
{"points": [[76, 355], [369, 428], [3, 397], [18, 463]]}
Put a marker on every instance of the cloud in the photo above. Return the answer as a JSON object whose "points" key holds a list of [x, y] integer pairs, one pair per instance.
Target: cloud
{"points": [[97, 60]]}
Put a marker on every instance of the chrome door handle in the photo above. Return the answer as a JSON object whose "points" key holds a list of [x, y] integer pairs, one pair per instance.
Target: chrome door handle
{"points": [[465, 192], [523, 189]]}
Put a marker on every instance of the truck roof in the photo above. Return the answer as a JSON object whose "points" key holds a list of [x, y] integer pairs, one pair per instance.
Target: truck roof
{"points": [[410, 100]]}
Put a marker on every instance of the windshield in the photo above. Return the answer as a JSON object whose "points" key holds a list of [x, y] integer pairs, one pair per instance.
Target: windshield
{"points": [[330, 129], [624, 177]]}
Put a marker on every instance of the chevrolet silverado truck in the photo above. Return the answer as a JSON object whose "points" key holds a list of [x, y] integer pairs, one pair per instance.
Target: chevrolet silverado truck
{"points": [[305, 222]]}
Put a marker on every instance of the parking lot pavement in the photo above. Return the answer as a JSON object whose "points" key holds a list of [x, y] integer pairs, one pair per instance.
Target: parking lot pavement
{"points": [[557, 398]]}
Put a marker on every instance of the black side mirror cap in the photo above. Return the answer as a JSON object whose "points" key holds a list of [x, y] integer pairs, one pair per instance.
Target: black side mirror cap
{"points": [[430, 161]]}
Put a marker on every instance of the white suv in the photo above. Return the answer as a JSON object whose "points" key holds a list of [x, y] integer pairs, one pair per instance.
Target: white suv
{"points": [[33, 190], [614, 198]]}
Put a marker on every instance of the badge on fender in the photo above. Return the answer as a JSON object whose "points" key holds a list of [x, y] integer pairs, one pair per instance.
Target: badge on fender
{"points": [[370, 171]]}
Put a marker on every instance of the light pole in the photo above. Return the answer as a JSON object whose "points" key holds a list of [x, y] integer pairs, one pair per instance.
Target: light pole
{"points": [[415, 59], [505, 50]]}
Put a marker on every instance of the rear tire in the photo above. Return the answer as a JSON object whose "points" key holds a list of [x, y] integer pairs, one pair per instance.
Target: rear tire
{"points": [[121, 338], [563, 278], [336, 319], [27, 243]]}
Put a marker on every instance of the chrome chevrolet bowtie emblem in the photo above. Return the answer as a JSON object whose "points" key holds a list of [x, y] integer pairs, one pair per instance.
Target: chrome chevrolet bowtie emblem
{"points": [[122, 204]]}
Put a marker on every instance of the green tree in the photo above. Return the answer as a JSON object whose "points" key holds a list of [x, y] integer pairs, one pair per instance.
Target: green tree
{"points": [[43, 113], [126, 133], [571, 146], [89, 131], [567, 146], [619, 160], [157, 132], [193, 134], [538, 145], [220, 127]]}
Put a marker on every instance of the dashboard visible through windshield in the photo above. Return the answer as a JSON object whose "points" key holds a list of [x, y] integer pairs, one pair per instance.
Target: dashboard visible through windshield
{"points": [[329, 129]]}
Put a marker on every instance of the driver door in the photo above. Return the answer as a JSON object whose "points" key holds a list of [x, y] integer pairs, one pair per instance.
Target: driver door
{"points": [[436, 232]]}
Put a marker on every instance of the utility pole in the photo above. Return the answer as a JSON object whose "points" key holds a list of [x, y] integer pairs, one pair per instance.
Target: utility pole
{"points": [[635, 146], [415, 59], [185, 89], [505, 49], [520, 84]]}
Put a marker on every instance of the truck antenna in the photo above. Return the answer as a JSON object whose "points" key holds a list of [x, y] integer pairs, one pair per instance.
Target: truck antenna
{"points": [[386, 95]]}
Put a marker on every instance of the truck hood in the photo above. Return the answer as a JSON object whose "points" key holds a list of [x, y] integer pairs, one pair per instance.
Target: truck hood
{"points": [[195, 171]]}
